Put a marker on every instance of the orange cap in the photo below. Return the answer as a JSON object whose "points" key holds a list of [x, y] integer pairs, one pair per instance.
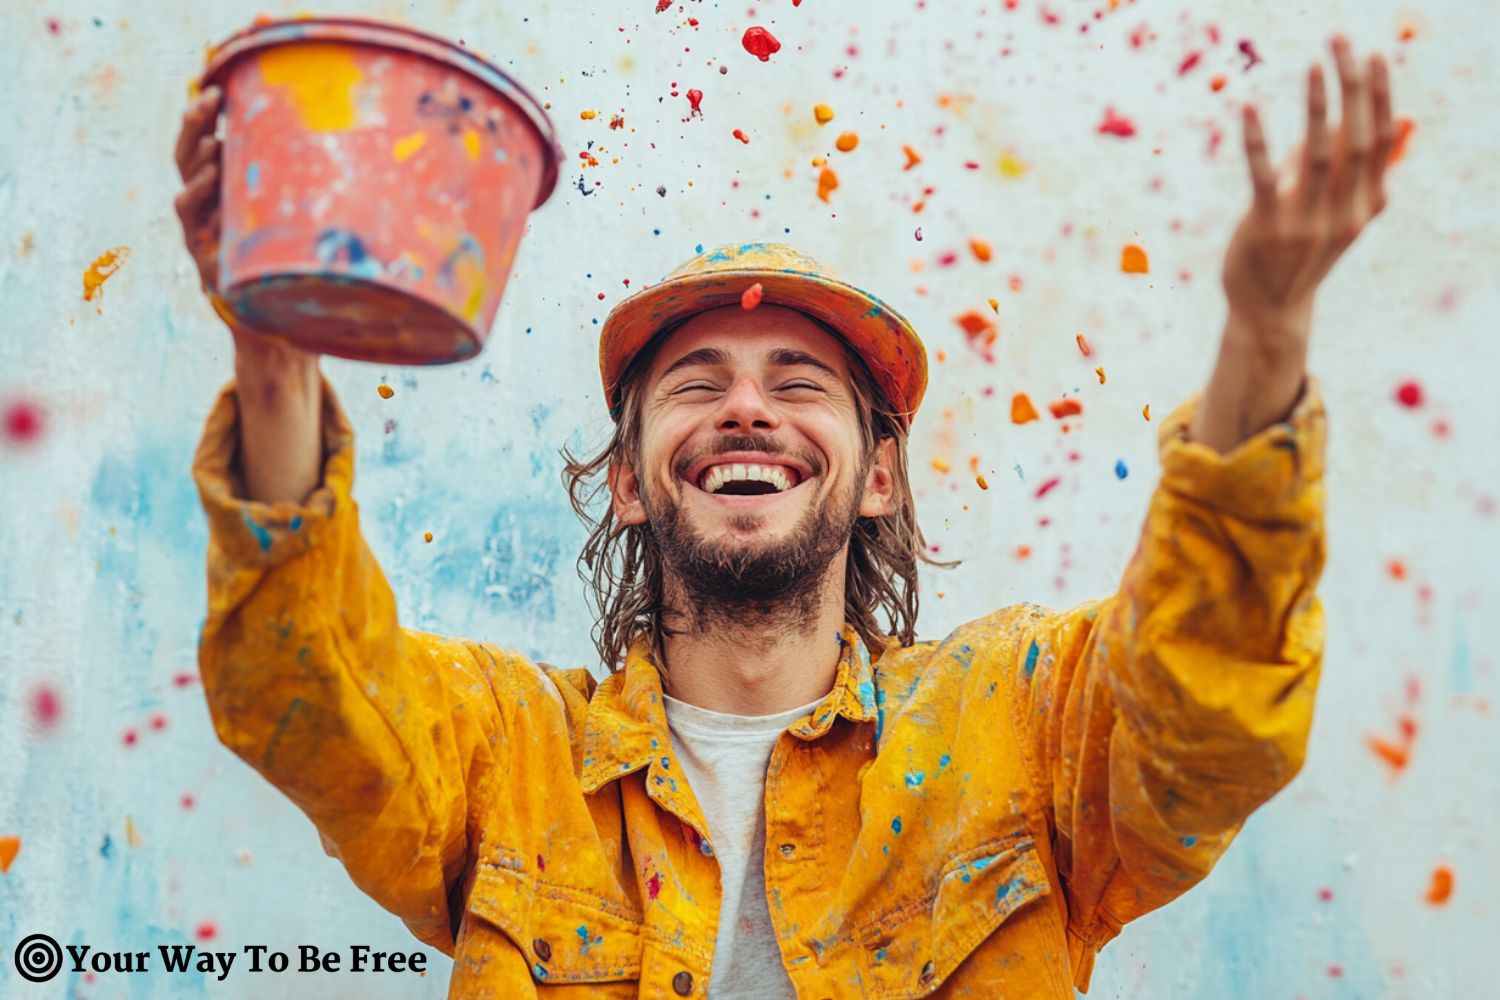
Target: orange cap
{"points": [[880, 335]]}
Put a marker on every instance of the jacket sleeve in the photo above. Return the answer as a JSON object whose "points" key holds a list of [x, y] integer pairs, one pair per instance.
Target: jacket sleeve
{"points": [[1160, 718], [385, 737]]}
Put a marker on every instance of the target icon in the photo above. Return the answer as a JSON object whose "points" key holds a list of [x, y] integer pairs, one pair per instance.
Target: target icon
{"points": [[38, 958]]}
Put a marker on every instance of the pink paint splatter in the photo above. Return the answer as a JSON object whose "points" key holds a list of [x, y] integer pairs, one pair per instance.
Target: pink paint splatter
{"points": [[1247, 49], [23, 422], [760, 43], [1189, 63], [1047, 487], [1116, 125], [130, 738], [653, 885], [206, 931], [46, 706]]}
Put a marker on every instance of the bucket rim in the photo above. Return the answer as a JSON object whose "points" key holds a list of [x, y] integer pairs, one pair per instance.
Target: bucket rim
{"points": [[370, 31]]}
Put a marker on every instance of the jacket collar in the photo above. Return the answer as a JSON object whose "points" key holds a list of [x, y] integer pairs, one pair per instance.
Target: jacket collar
{"points": [[626, 726]]}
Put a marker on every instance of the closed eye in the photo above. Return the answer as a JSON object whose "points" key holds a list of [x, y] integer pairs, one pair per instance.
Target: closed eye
{"points": [[803, 385], [690, 387]]}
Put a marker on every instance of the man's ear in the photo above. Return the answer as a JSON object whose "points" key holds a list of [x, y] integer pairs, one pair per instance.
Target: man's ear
{"points": [[880, 484], [625, 493]]}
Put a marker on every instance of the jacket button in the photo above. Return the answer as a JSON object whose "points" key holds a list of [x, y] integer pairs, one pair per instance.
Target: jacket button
{"points": [[928, 971], [682, 983], [543, 950], [787, 850]]}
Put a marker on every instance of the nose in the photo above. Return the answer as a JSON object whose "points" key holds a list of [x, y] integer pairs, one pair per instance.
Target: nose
{"points": [[745, 409]]}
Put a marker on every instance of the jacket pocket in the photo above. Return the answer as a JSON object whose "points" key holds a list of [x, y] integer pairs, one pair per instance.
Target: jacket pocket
{"points": [[566, 935], [912, 950]]}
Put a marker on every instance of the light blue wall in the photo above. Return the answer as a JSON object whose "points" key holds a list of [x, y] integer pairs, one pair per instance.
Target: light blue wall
{"points": [[102, 550]]}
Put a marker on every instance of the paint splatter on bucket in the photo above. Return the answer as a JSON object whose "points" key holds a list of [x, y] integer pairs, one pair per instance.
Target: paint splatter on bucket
{"points": [[376, 183]]}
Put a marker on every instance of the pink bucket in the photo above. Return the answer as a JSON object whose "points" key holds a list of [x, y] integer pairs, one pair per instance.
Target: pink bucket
{"points": [[375, 185]]}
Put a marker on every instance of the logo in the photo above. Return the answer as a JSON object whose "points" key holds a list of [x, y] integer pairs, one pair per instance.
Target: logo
{"points": [[38, 958]]}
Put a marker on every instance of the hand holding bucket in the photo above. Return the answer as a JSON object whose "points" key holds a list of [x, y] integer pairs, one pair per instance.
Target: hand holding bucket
{"points": [[374, 184]]}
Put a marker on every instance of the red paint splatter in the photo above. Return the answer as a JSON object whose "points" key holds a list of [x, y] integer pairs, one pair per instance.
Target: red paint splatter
{"points": [[653, 885], [158, 722], [695, 100], [1247, 49], [752, 297], [54, 25], [741, 136], [183, 680], [1441, 888], [1409, 395], [1336, 971], [662, 5], [1117, 125], [760, 43], [130, 737], [541, 863], [1188, 63], [206, 931], [23, 422], [1065, 408], [188, 801], [1325, 895], [46, 706], [1047, 487]]}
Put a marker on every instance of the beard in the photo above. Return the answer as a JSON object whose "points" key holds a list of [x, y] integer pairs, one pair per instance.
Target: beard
{"points": [[752, 584]]}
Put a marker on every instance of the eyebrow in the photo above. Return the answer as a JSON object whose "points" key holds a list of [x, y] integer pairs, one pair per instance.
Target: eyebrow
{"points": [[781, 357]]}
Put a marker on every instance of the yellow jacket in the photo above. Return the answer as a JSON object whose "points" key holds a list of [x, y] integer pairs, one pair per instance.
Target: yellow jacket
{"points": [[971, 817]]}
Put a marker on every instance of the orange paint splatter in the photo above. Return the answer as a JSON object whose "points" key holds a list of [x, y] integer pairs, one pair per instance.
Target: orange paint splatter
{"points": [[100, 271], [912, 158], [1397, 569], [846, 142], [1146, 411], [1441, 888], [982, 483], [980, 331], [741, 136], [827, 181], [386, 392], [587, 115], [1100, 372], [1065, 408], [9, 848], [1397, 752], [1023, 551], [994, 305], [426, 536], [751, 297], [1021, 410], [822, 113], [1133, 260], [1083, 345], [980, 249], [1404, 128]]}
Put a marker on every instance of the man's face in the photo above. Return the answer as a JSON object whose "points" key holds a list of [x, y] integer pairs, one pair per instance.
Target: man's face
{"points": [[751, 470]]}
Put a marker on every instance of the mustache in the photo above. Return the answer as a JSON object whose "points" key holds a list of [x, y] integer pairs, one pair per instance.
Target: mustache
{"points": [[745, 442]]}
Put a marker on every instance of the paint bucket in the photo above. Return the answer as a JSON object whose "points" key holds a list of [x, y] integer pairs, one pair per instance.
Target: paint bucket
{"points": [[375, 185]]}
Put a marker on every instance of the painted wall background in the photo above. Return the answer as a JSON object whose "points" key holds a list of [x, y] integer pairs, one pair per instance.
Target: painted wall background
{"points": [[136, 828]]}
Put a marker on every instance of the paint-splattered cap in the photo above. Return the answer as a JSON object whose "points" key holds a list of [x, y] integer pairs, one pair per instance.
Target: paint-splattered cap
{"points": [[879, 334]]}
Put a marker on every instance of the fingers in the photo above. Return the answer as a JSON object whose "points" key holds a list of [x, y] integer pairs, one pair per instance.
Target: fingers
{"points": [[200, 118], [1317, 150], [1262, 177], [1385, 131], [196, 200], [1356, 137]]}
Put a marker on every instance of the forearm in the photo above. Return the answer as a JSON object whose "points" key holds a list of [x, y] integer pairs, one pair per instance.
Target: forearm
{"points": [[280, 400], [1255, 383]]}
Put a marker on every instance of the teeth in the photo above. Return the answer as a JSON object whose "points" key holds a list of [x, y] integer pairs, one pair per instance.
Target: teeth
{"points": [[721, 474]]}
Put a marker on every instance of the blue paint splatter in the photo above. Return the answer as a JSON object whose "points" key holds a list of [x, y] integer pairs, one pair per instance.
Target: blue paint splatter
{"points": [[252, 178], [944, 759], [1031, 655], [1189, 841], [1120, 470], [915, 778], [261, 534], [896, 824]]}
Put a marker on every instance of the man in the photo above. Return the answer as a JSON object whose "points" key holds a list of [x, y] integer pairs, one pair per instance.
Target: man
{"points": [[773, 794]]}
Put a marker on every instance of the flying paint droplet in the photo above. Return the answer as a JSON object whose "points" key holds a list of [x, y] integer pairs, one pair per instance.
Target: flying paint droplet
{"points": [[426, 536], [695, 101], [751, 298], [760, 43], [980, 331], [827, 181], [941, 465], [846, 142], [1438, 892], [1021, 410], [1047, 487], [980, 249], [23, 422], [1121, 471], [386, 392], [741, 136], [1100, 372], [1146, 411], [206, 931], [46, 706], [662, 5], [1065, 408], [1083, 345], [912, 158], [983, 483], [1409, 395], [9, 848], [1115, 125], [100, 271], [822, 113], [1133, 260]]}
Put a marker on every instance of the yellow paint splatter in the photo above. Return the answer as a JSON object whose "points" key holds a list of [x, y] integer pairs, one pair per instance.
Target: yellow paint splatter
{"points": [[846, 142], [827, 181], [587, 115], [1133, 260], [386, 392], [823, 113], [994, 304], [132, 835], [9, 848], [1011, 167], [940, 465], [408, 145], [1100, 372], [320, 78], [471, 144], [100, 270]]}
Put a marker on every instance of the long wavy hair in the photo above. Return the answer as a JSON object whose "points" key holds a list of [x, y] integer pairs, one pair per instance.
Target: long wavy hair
{"points": [[623, 566]]}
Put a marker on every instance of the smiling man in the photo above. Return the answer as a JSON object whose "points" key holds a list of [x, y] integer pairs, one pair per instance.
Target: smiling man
{"points": [[777, 790]]}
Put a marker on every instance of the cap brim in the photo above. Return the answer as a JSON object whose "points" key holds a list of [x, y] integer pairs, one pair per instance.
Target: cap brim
{"points": [[880, 335]]}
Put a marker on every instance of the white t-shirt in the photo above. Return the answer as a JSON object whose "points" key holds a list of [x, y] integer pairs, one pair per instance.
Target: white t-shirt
{"points": [[725, 759]]}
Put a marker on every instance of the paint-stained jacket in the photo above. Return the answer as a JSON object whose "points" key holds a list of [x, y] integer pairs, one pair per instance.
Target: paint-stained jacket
{"points": [[971, 817]]}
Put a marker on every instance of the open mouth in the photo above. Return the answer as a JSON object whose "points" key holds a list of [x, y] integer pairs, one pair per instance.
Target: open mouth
{"points": [[747, 479]]}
